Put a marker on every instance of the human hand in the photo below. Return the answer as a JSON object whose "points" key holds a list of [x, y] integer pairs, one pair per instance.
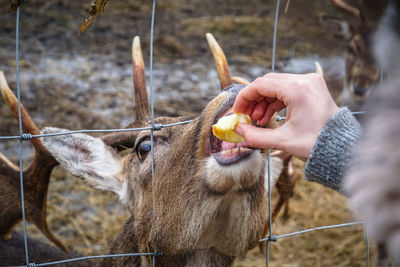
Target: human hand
{"points": [[309, 106]]}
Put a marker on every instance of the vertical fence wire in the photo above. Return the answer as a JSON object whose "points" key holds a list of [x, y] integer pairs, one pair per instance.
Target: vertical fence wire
{"points": [[275, 32], [367, 241], [153, 11], [151, 88], [269, 150], [269, 205], [21, 176]]}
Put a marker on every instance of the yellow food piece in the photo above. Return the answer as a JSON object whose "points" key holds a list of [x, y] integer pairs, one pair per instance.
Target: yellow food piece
{"points": [[224, 129]]}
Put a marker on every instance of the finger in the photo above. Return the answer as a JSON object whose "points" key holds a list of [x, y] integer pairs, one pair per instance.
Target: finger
{"points": [[260, 88], [249, 109], [259, 110], [285, 76], [271, 109], [261, 137]]}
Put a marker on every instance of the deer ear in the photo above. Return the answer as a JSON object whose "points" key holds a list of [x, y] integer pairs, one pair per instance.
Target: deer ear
{"points": [[339, 28], [89, 158]]}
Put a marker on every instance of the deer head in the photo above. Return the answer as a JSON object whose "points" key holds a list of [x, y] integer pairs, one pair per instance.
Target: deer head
{"points": [[361, 71], [206, 202]]}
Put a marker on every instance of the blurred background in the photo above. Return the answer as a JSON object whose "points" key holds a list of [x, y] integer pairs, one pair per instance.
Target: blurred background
{"points": [[85, 82]]}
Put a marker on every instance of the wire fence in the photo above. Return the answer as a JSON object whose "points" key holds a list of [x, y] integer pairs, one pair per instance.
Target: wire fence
{"points": [[154, 127]]}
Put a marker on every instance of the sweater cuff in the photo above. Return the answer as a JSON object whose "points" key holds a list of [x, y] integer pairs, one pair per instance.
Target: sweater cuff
{"points": [[332, 150]]}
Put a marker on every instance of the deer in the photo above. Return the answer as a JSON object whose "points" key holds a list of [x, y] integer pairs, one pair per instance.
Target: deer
{"points": [[361, 70], [206, 202]]}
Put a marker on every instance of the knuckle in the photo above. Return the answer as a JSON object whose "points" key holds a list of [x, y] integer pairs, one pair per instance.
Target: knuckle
{"points": [[316, 76], [258, 80], [268, 75]]}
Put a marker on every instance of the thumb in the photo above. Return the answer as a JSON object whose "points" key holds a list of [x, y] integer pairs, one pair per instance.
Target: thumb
{"points": [[259, 137]]}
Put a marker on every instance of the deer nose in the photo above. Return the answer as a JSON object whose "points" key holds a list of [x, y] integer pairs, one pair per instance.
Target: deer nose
{"points": [[360, 91]]}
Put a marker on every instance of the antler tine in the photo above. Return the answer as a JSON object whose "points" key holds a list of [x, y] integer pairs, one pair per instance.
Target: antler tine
{"points": [[36, 179], [318, 68], [240, 80], [27, 123], [348, 8], [224, 73], [123, 140], [139, 78]]}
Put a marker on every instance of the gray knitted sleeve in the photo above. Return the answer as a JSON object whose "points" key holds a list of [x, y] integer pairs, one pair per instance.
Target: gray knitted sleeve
{"points": [[333, 149]]}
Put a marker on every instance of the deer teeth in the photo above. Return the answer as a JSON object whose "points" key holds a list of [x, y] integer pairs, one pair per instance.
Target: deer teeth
{"points": [[235, 150], [224, 152]]}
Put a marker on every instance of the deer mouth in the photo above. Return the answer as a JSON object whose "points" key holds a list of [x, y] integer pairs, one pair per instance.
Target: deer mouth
{"points": [[226, 153]]}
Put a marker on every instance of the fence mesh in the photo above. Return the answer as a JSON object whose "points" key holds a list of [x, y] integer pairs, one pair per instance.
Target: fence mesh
{"points": [[154, 127]]}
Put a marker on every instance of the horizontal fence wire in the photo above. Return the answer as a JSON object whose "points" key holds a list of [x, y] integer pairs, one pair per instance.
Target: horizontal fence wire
{"points": [[154, 127], [91, 258], [275, 238]]}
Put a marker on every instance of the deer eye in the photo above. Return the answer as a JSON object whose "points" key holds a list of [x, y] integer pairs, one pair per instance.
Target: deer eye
{"points": [[143, 149]]}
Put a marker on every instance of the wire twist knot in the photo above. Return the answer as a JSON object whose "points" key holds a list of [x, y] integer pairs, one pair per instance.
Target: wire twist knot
{"points": [[159, 253], [157, 127], [279, 118], [26, 136], [32, 264], [273, 238]]}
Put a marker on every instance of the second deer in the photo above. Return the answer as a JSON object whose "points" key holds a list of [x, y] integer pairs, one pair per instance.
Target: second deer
{"points": [[361, 71]]}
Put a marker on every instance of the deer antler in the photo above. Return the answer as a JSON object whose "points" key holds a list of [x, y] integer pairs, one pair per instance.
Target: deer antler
{"points": [[36, 179], [240, 80], [357, 12], [224, 73], [127, 139], [139, 79]]}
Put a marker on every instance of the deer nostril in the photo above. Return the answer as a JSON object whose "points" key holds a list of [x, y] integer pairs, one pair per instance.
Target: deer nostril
{"points": [[360, 91]]}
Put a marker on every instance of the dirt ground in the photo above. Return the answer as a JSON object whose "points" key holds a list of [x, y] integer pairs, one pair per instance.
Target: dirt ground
{"points": [[85, 82]]}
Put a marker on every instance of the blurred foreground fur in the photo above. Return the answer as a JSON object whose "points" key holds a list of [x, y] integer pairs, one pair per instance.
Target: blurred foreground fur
{"points": [[374, 179]]}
